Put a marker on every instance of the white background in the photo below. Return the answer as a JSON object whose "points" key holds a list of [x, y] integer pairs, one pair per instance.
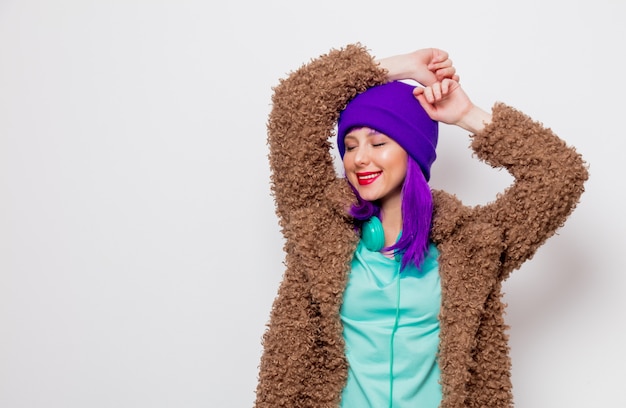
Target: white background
{"points": [[139, 250]]}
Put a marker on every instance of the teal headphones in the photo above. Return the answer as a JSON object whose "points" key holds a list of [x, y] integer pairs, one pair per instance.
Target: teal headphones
{"points": [[373, 236]]}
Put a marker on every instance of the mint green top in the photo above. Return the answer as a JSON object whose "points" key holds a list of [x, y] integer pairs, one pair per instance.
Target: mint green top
{"points": [[391, 329]]}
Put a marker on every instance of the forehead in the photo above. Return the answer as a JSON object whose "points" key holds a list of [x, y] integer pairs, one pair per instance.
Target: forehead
{"points": [[363, 131]]}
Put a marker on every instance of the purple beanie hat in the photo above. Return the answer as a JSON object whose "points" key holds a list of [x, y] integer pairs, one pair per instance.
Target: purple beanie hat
{"points": [[392, 109]]}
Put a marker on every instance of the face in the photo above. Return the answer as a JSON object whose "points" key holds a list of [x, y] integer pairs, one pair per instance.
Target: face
{"points": [[375, 165]]}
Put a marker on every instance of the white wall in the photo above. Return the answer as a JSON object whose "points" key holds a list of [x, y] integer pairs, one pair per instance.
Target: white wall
{"points": [[139, 251]]}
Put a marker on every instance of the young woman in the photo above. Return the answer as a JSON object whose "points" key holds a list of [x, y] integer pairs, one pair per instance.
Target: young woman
{"points": [[391, 293]]}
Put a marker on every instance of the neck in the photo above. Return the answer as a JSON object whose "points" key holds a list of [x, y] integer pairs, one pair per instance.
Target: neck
{"points": [[391, 216]]}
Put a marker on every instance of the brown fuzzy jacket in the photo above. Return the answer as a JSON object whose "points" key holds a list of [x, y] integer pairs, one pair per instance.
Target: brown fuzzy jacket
{"points": [[303, 362]]}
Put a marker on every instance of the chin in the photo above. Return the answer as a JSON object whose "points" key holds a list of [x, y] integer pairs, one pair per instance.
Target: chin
{"points": [[369, 196]]}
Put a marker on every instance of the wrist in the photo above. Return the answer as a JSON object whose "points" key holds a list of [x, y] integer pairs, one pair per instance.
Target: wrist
{"points": [[411, 65], [397, 67], [474, 120]]}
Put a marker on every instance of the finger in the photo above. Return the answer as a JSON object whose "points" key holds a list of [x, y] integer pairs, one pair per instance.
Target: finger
{"points": [[437, 65], [425, 93], [436, 91], [448, 86], [441, 63], [439, 55], [447, 72], [445, 86], [428, 107]]}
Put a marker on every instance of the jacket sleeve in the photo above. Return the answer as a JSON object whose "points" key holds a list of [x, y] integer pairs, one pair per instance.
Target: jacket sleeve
{"points": [[548, 176], [299, 339], [305, 108]]}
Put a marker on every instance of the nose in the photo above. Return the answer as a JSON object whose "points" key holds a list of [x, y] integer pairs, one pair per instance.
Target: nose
{"points": [[361, 157]]}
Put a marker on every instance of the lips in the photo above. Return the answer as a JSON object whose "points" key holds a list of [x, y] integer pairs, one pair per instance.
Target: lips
{"points": [[367, 177]]}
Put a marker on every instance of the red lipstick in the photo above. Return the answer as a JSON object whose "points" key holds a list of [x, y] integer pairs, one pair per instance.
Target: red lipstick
{"points": [[367, 177]]}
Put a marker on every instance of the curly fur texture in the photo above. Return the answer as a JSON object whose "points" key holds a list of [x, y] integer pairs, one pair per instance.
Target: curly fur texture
{"points": [[303, 362]]}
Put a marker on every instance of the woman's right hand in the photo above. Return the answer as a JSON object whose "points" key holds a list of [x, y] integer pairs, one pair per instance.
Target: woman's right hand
{"points": [[426, 66]]}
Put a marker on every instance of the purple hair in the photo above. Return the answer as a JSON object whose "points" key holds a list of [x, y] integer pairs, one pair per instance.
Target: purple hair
{"points": [[417, 209]]}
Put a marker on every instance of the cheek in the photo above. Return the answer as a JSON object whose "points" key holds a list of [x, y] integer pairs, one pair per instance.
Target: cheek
{"points": [[346, 172], [395, 157], [346, 163], [387, 156]]}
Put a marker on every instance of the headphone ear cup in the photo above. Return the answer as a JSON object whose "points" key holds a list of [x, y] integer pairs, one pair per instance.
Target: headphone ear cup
{"points": [[373, 234]]}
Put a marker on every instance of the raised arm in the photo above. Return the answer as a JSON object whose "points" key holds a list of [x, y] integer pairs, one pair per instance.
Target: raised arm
{"points": [[549, 180], [305, 108], [549, 175]]}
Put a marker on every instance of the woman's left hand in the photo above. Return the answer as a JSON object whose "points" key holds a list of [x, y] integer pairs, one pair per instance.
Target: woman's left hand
{"points": [[447, 102]]}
